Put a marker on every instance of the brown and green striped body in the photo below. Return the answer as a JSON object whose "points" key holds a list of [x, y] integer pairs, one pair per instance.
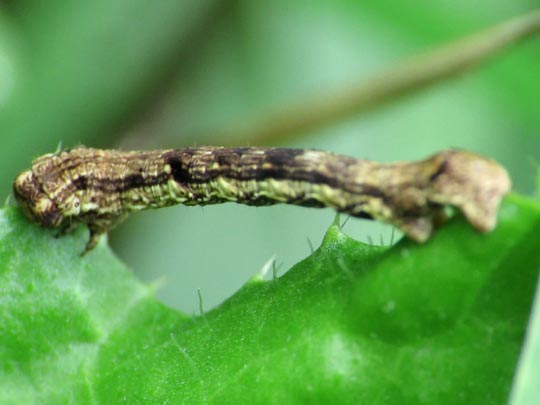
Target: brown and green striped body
{"points": [[100, 187]]}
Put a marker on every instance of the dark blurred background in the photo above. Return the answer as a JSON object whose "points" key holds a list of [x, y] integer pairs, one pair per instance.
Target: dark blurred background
{"points": [[162, 74]]}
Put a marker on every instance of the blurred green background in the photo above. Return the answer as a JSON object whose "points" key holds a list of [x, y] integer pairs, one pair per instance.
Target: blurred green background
{"points": [[140, 75]]}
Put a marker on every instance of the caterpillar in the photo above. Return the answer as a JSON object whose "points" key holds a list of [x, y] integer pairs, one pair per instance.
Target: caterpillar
{"points": [[101, 187]]}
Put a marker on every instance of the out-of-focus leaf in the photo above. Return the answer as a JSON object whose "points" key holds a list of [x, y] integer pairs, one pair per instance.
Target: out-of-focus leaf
{"points": [[87, 66]]}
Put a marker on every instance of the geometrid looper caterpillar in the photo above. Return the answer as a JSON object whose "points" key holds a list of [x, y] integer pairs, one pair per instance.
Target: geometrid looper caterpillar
{"points": [[101, 187]]}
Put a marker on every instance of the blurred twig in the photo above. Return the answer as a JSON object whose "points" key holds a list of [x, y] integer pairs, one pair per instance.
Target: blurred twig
{"points": [[418, 73]]}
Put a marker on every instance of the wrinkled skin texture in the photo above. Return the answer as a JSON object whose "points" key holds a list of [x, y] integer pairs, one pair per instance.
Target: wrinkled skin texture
{"points": [[100, 187]]}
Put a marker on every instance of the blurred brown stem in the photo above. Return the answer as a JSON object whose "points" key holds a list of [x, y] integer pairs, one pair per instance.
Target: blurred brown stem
{"points": [[419, 72]]}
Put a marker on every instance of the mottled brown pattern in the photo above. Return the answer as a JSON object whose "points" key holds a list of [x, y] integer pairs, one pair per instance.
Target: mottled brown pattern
{"points": [[100, 187]]}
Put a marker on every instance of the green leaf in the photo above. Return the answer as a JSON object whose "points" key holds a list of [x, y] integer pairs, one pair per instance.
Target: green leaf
{"points": [[526, 390], [436, 323]]}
